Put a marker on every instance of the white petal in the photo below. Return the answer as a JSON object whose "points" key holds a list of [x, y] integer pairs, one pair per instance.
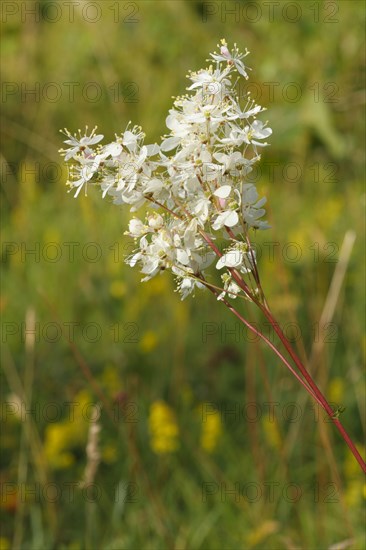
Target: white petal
{"points": [[232, 219], [129, 138], [152, 149], [219, 222], [228, 218], [261, 202], [240, 67], [190, 234], [169, 143], [150, 266], [171, 120], [250, 194], [135, 258], [153, 186], [182, 256], [206, 156], [94, 139], [259, 143], [233, 258], [221, 263], [113, 149], [223, 192]]}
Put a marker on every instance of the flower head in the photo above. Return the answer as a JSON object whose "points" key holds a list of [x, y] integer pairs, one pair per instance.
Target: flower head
{"points": [[193, 186]]}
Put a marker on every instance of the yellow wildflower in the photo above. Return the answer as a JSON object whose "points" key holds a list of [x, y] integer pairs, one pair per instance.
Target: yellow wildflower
{"points": [[211, 429], [148, 341], [4, 543], [62, 437], [164, 430]]}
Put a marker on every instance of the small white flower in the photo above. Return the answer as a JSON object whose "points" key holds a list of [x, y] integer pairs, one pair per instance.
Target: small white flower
{"points": [[136, 228], [229, 218], [186, 285], [80, 144], [130, 138], [233, 57], [251, 207], [211, 82], [230, 287], [155, 221], [88, 167], [237, 257], [257, 130], [230, 162]]}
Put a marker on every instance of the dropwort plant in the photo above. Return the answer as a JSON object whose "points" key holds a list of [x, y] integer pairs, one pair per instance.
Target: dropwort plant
{"points": [[199, 210]]}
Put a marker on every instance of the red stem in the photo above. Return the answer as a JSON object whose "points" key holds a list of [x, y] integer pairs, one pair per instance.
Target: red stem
{"points": [[310, 386], [267, 341], [320, 397]]}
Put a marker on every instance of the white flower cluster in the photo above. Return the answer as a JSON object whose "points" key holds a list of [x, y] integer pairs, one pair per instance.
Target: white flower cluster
{"points": [[194, 184]]}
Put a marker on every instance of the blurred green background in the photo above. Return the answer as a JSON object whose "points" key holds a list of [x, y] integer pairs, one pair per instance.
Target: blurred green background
{"points": [[157, 423]]}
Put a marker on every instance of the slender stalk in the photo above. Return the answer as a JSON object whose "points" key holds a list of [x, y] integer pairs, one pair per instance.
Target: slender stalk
{"points": [[267, 341], [320, 397], [308, 383]]}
